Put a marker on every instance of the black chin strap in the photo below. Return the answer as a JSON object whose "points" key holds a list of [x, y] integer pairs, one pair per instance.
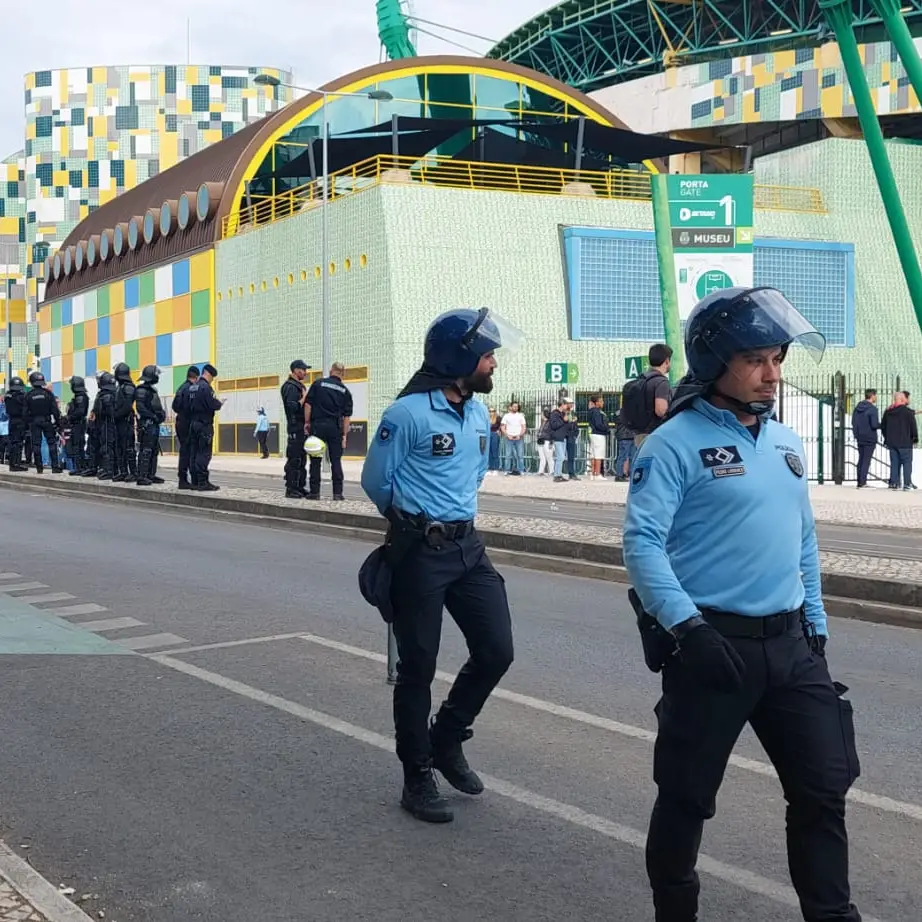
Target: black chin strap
{"points": [[753, 408]]}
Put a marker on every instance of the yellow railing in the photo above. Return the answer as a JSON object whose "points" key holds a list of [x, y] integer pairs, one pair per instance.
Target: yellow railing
{"points": [[631, 185]]}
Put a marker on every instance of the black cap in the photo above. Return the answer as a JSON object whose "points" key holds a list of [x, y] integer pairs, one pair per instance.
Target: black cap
{"points": [[211, 370], [299, 365], [192, 371]]}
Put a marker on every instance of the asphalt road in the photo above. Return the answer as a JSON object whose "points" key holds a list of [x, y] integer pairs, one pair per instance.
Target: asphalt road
{"points": [[842, 539], [250, 780]]}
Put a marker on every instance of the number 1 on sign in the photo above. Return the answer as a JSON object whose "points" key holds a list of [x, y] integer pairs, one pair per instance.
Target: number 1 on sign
{"points": [[728, 205]]}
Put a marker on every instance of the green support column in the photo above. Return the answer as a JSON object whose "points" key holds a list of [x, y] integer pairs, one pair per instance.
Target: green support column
{"points": [[839, 16], [889, 12]]}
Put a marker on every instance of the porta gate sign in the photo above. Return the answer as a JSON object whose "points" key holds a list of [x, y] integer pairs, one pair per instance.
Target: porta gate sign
{"points": [[710, 224]]}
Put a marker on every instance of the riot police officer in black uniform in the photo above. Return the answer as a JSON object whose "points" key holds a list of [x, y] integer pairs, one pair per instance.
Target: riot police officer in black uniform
{"points": [[92, 437], [104, 423], [294, 393], [41, 408], [329, 409], [76, 414], [16, 410], [125, 448], [150, 416], [202, 407], [181, 411]]}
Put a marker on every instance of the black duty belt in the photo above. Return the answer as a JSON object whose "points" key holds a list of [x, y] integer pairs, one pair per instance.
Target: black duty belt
{"points": [[733, 625], [431, 528]]}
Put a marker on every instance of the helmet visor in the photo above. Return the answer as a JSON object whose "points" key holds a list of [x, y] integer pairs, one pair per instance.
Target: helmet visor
{"points": [[762, 318], [491, 331]]}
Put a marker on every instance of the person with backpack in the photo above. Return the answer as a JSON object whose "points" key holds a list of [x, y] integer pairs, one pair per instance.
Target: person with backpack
{"points": [[645, 400]]}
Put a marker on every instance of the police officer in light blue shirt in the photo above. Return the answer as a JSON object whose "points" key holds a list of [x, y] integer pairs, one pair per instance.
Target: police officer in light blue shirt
{"points": [[720, 545], [424, 467]]}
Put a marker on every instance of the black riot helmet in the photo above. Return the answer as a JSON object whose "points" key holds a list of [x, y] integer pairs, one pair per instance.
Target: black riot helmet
{"points": [[105, 380], [77, 384], [37, 379], [17, 385], [122, 372], [150, 374]]}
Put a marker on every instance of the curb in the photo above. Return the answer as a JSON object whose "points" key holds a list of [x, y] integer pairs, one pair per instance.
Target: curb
{"points": [[33, 888], [865, 598]]}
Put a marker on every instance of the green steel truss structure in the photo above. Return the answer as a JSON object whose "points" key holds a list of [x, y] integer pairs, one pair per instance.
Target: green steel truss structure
{"points": [[590, 44]]}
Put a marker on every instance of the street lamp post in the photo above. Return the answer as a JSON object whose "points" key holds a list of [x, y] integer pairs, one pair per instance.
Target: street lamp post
{"points": [[325, 310]]}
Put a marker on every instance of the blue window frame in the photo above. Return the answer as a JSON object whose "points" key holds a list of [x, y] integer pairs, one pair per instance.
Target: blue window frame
{"points": [[612, 280]]}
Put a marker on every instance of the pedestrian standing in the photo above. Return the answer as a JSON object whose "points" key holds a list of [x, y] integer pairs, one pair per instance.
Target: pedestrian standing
{"points": [[558, 427], [327, 414], [126, 450], [865, 428], [4, 429], [545, 444], [424, 466], [496, 423], [76, 414], [901, 435], [645, 400], [720, 545], [43, 416], [180, 409], [15, 403], [624, 436], [513, 427], [203, 404], [598, 436], [261, 432], [294, 394], [150, 417]]}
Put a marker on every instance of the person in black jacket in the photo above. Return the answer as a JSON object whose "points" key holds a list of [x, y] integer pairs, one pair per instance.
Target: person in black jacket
{"points": [[16, 410], [327, 414], [900, 434], [76, 415], [150, 417], [865, 428], [202, 407], [598, 436], [181, 411], [294, 394], [126, 458], [558, 427], [103, 417], [44, 418]]}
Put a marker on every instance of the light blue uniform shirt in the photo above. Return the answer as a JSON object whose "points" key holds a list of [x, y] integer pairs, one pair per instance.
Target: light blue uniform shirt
{"points": [[717, 519], [262, 422], [427, 460]]}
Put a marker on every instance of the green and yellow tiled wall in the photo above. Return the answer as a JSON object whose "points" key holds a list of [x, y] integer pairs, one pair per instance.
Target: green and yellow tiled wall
{"points": [[161, 317], [798, 84]]}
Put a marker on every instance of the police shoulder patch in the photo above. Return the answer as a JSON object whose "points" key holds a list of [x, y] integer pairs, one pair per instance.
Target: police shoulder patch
{"points": [[794, 463], [640, 474], [385, 431]]}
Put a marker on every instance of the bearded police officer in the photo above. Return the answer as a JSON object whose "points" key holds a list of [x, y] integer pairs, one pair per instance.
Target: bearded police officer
{"points": [[328, 411], [424, 467], [720, 545], [294, 393]]}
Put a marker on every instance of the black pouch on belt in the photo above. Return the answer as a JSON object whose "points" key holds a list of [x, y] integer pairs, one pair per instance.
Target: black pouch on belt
{"points": [[658, 644]]}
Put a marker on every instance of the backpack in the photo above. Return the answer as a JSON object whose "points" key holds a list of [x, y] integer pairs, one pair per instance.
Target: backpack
{"points": [[636, 408]]}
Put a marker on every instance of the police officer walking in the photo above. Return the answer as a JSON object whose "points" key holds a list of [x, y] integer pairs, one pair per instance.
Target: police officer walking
{"points": [[16, 410], [720, 545], [76, 414], [125, 446], [41, 408], [328, 414], [424, 467], [103, 419], [294, 393], [202, 407], [150, 417], [181, 411]]}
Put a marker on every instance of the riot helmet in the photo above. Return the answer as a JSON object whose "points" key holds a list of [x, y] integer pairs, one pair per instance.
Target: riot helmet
{"points": [[17, 385], [150, 374], [122, 372], [77, 384], [37, 379], [457, 340]]}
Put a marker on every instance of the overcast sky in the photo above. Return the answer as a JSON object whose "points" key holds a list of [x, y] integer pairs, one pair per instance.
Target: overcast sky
{"points": [[283, 33]]}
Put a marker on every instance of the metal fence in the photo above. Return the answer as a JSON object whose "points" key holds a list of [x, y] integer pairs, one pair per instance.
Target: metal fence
{"points": [[818, 408]]}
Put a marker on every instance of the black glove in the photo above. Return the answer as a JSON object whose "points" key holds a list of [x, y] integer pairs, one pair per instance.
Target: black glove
{"points": [[817, 644], [710, 658]]}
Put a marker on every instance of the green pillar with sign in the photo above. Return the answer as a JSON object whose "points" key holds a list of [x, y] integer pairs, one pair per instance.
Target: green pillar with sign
{"points": [[704, 241]]}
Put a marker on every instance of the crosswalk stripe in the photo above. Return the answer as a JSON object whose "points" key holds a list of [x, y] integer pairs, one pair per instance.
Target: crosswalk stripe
{"points": [[109, 624], [151, 640], [10, 576], [87, 608], [22, 587], [45, 597]]}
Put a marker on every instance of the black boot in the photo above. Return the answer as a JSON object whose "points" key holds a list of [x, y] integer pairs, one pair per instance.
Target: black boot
{"points": [[422, 799], [448, 759]]}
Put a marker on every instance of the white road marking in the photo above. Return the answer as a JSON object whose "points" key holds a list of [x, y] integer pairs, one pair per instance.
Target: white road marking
{"points": [[867, 799], [22, 587], [44, 598], [148, 641], [68, 611], [109, 624], [740, 877], [225, 644], [10, 576]]}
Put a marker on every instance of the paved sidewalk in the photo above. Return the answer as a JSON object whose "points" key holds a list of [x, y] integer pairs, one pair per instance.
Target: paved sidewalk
{"points": [[874, 507], [26, 896], [15, 908]]}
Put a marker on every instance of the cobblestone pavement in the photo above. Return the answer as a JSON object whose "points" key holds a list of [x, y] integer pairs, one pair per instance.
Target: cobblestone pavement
{"points": [[875, 507], [851, 564], [14, 908]]}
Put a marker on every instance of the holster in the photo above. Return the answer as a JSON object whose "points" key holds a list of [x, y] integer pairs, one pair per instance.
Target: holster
{"points": [[402, 536], [657, 643]]}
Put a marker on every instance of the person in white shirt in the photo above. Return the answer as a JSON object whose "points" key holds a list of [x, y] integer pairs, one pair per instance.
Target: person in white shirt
{"points": [[513, 428]]}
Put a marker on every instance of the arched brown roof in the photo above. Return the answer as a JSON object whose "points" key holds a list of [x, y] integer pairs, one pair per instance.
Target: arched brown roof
{"points": [[227, 162]]}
